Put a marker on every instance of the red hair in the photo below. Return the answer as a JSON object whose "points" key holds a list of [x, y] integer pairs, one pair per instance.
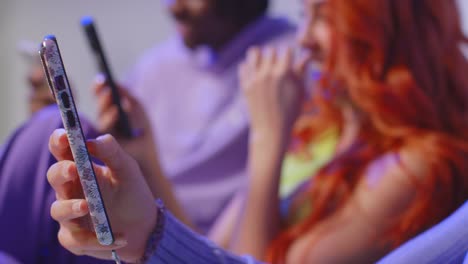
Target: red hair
{"points": [[399, 64]]}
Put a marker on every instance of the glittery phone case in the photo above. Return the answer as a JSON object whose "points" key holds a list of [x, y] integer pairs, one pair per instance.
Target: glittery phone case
{"points": [[59, 85]]}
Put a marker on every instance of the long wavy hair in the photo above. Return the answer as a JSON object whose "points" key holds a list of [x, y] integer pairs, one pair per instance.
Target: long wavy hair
{"points": [[398, 63]]}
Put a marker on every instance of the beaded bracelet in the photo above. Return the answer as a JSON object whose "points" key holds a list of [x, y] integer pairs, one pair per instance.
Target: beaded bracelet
{"points": [[157, 234]]}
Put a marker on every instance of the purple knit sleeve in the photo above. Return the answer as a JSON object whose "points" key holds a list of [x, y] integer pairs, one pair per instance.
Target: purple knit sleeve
{"points": [[174, 243]]}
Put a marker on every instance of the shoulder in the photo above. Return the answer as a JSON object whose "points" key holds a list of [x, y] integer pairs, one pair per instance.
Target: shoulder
{"points": [[170, 50], [391, 181], [44, 122], [156, 63], [30, 142], [401, 165], [422, 158]]}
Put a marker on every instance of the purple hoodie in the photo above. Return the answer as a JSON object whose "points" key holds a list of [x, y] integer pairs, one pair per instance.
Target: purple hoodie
{"points": [[28, 233]]}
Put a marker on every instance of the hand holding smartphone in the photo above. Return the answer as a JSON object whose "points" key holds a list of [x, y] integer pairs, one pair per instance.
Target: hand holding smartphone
{"points": [[123, 125], [60, 88]]}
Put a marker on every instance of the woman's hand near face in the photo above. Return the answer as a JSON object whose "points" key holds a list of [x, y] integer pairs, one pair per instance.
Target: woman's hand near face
{"points": [[127, 198], [273, 86], [274, 90], [272, 82]]}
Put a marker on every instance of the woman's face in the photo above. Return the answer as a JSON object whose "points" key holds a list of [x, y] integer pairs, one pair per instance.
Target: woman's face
{"points": [[315, 30]]}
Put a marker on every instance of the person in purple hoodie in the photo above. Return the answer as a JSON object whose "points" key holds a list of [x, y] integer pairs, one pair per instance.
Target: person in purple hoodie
{"points": [[189, 89], [28, 233]]}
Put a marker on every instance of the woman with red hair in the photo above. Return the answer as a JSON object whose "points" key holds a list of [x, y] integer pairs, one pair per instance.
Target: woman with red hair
{"points": [[394, 85]]}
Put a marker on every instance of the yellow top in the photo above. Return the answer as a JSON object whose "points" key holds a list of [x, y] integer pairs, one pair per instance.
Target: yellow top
{"points": [[298, 169]]}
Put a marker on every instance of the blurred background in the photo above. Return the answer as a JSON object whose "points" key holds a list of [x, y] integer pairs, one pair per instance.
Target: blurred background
{"points": [[126, 28]]}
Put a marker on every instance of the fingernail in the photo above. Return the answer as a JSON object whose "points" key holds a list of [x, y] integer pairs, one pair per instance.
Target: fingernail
{"points": [[59, 134], [120, 242], [100, 78], [61, 131], [76, 207], [101, 137]]}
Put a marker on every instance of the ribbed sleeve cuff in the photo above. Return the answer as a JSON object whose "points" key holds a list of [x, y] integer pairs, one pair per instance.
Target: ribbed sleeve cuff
{"points": [[179, 245]]}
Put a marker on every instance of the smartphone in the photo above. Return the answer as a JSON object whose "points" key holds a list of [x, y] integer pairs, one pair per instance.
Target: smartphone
{"points": [[123, 125], [58, 82]]}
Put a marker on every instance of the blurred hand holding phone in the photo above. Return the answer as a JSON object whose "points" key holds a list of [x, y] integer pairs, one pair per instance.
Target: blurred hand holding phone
{"points": [[116, 107], [122, 125]]}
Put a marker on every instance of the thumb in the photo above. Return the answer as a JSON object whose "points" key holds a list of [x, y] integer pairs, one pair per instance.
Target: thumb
{"points": [[107, 149]]}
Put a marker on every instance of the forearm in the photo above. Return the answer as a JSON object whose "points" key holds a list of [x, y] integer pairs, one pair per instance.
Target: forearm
{"points": [[223, 230], [260, 221], [162, 188]]}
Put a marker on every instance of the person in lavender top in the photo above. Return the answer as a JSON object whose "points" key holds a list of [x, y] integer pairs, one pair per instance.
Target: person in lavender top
{"points": [[189, 89]]}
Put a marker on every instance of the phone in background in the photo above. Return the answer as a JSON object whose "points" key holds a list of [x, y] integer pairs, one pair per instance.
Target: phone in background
{"points": [[123, 125], [60, 87]]}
